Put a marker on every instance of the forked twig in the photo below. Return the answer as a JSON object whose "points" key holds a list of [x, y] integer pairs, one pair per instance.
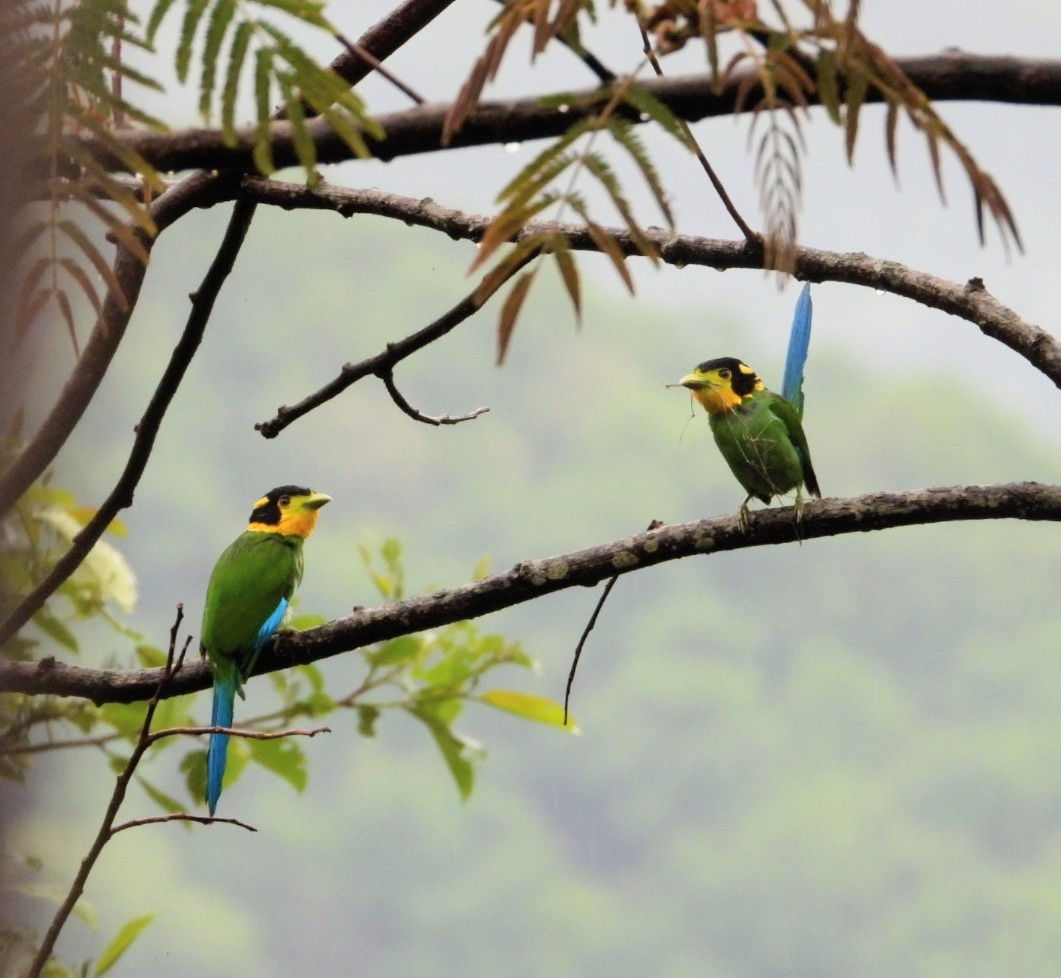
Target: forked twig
{"points": [[396, 395], [382, 364]]}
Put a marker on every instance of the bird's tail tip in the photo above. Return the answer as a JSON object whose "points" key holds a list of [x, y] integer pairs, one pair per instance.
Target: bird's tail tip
{"points": [[217, 753]]}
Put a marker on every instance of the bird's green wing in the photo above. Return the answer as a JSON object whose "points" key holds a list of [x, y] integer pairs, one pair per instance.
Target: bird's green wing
{"points": [[252, 577], [787, 414]]}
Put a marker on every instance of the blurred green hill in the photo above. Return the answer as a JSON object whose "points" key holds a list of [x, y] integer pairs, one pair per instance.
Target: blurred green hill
{"points": [[836, 760]]}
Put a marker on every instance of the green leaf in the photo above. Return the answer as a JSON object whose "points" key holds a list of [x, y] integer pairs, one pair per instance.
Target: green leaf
{"points": [[221, 18], [828, 85], [625, 134], [55, 629], [366, 720], [454, 749], [649, 105], [481, 568], [565, 262], [194, 769], [167, 803], [157, 16], [396, 651], [150, 657], [283, 757], [854, 98], [193, 13], [535, 708], [263, 77], [121, 943], [305, 148], [126, 718], [510, 309], [391, 551], [237, 55]]}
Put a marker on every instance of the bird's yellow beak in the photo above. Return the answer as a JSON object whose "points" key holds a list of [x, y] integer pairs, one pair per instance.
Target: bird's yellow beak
{"points": [[315, 500], [695, 382]]}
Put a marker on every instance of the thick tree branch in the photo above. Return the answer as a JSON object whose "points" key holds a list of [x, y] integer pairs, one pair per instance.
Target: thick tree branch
{"points": [[533, 579], [944, 77], [970, 301]]}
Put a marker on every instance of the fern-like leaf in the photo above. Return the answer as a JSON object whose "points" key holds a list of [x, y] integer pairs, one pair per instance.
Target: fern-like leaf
{"points": [[68, 66], [517, 295], [234, 34]]}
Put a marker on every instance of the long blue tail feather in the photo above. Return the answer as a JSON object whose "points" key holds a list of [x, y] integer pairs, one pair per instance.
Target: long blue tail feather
{"points": [[798, 345], [217, 754]]}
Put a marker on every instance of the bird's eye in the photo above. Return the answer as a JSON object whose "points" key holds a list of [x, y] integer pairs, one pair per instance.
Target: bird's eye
{"points": [[285, 501], [724, 373]]}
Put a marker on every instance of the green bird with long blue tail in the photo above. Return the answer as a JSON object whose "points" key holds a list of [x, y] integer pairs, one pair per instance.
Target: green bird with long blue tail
{"points": [[759, 433], [246, 602]]}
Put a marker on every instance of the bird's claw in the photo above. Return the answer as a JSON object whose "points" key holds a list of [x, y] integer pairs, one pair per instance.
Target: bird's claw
{"points": [[743, 523]]}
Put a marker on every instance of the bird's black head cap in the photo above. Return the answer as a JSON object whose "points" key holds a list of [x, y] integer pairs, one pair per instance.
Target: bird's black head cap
{"points": [[267, 509], [742, 377]]}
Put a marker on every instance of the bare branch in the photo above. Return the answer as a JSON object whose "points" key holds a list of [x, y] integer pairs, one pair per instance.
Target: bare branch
{"points": [[944, 77], [238, 732], [407, 408], [181, 817], [970, 300], [532, 579], [382, 364]]}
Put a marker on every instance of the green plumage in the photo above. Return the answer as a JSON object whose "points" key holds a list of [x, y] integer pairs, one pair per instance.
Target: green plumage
{"points": [[256, 572], [246, 602], [758, 432], [762, 439]]}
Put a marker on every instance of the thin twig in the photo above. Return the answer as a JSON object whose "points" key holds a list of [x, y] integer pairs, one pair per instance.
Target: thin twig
{"points": [[238, 732], [360, 51], [396, 395], [181, 817], [654, 525], [582, 641], [383, 363], [385, 37], [716, 182]]}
